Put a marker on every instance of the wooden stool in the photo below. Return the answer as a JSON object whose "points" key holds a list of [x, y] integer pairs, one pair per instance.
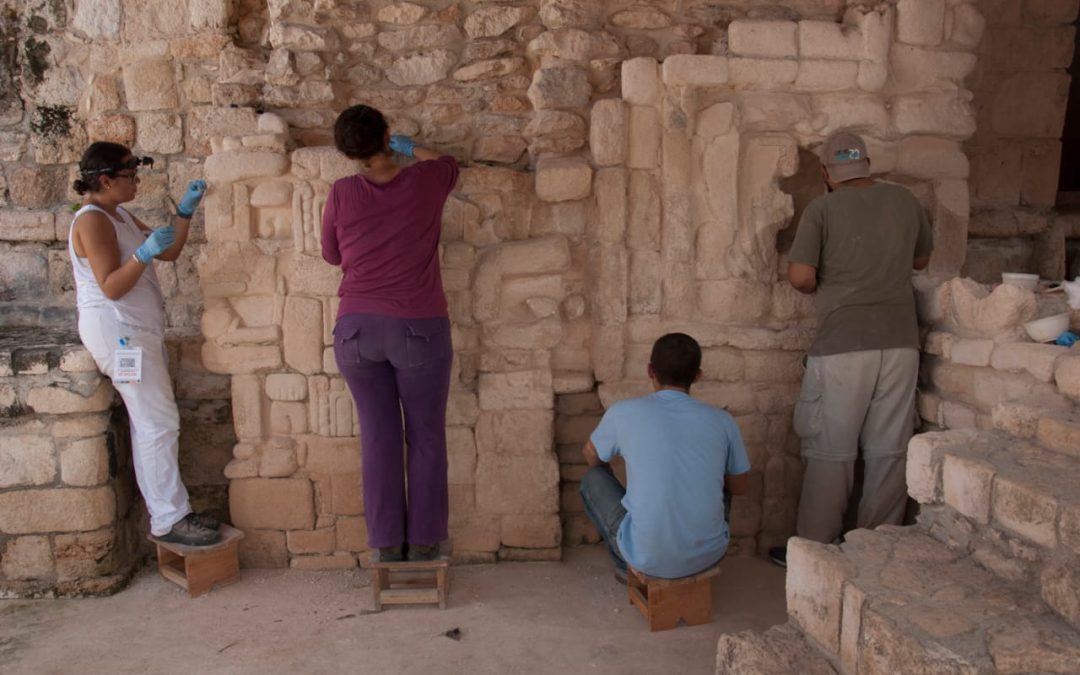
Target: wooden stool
{"points": [[409, 583], [197, 569], [665, 601]]}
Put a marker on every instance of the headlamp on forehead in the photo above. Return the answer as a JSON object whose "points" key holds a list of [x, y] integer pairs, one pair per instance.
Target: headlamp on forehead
{"points": [[133, 163]]}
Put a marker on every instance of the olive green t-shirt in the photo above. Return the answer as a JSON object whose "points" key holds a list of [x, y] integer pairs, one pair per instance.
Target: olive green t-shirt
{"points": [[863, 240]]}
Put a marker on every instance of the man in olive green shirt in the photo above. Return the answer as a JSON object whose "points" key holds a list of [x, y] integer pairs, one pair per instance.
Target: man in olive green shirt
{"points": [[855, 250]]}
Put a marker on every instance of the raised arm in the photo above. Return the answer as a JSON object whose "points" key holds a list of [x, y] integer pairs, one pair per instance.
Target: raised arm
{"points": [[182, 221]]}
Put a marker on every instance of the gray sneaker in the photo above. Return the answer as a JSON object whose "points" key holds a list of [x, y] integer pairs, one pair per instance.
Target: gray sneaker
{"points": [[419, 553], [206, 520], [190, 533]]}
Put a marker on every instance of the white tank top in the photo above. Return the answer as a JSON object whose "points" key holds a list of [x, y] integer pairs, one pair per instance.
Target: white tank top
{"points": [[143, 305]]}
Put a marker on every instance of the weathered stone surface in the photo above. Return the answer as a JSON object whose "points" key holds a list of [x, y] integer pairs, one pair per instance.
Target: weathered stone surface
{"points": [[769, 39], [966, 486], [694, 71], [26, 460], [560, 179], [971, 352], [976, 312], [425, 36], [933, 113], [85, 462], [286, 387], [517, 484], [816, 574], [920, 22], [1060, 432], [56, 510], [272, 503], [228, 167], [54, 400], [644, 133], [520, 390], [27, 558], [422, 68], [931, 157], [26, 226], [311, 542], [641, 81], [1025, 511], [531, 531], [1067, 375], [159, 132], [607, 132], [489, 69], [1038, 360], [150, 85], [401, 13], [263, 549], [829, 40], [489, 22], [515, 432], [561, 87], [302, 330]]}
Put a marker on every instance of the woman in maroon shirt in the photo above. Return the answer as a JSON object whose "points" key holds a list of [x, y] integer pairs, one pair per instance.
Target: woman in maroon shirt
{"points": [[392, 337]]}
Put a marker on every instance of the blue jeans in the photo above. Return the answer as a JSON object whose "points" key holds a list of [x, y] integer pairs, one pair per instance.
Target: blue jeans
{"points": [[602, 494]]}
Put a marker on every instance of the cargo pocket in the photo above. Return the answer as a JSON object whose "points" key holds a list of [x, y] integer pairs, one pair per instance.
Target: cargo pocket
{"points": [[809, 411], [346, 344]]}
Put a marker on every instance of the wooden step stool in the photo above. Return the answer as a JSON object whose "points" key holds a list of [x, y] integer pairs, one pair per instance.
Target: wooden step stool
{"points": [[409, 582], [197, 569], [665, 601]]}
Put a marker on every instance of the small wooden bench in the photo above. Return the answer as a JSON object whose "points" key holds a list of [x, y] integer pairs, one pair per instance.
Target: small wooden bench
{"points": [[665, 602], [197, 569], [409, 582]]}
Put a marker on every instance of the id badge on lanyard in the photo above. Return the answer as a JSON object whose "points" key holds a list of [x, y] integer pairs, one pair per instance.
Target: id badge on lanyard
{"points": [[127, 363]]}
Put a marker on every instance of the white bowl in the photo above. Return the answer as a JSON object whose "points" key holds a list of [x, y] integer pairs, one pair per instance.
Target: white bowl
{"points": [[1047, 329], [1028, 281]]}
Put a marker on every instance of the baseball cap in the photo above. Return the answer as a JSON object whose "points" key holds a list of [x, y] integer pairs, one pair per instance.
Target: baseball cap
{"points": [[844, 155]]}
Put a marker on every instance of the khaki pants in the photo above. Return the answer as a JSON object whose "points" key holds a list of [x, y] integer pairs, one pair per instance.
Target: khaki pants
{"points": [[850, 403]]}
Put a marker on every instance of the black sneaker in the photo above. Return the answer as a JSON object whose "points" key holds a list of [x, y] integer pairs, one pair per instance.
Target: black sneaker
{"points": [[778, 554], [206, 520], [418, 553], [190, 533], [387, 554]]}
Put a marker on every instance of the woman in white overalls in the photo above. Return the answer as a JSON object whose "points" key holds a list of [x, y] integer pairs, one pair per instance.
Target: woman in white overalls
{"points": [[122, 324]]}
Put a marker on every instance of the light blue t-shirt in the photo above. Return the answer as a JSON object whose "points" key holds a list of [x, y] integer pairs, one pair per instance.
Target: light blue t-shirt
{"points": [[677, 451]]}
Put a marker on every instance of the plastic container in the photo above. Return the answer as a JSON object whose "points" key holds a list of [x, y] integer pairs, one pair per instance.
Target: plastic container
{"points": [[1049, 328], [1028, 281]]}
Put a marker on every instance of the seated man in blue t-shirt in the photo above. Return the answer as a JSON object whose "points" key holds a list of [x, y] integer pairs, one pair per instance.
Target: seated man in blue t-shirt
{"points": [[680, 453]]}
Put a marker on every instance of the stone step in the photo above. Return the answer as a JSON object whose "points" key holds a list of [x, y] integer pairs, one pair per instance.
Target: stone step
{"points": [[780, 650], [897, 600], [1011, 504]]}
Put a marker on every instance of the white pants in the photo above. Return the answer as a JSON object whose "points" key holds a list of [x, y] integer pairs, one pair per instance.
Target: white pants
{"points": [[151, 408]]}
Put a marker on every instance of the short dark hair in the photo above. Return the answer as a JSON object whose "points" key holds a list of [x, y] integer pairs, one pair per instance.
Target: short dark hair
{"points": [[360, 132], [676, 360], [100, 159]]}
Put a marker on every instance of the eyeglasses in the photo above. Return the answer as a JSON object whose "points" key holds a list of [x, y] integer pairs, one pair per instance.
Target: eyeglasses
{"points": [[133, 176]]}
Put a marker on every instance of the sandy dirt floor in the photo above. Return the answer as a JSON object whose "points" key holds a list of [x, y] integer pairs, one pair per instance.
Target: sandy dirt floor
{"points": [[567, 617]]}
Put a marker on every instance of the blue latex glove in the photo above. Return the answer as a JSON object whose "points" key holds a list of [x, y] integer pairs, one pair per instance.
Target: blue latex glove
{"points": [[1067, 339], [159, 240], [190, 201], [402, 144]]}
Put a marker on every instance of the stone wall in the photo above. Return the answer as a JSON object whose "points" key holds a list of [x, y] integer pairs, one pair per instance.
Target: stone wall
{"points": [[69, 519], [625, 167], [1021, 89]]}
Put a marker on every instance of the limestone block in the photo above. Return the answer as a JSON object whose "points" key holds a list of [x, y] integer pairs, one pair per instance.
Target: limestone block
{"points": [[958, 416], [27, 558], [56, 510], [914, 68], [643, 227], [346, 495], [263, 549], [114, 128], [502, 149], [272, 503], [514, 432], [1060, 433], [85, 462], [247, 406], [565, 44], [271, 193], [324, 162], [1038, 360], [510, 485], [753, 73], [971, 352], [26, 226], [417, 38], [925, 457], [644, 138], [611, 193], [286, 387], [977, 312], [966, 487], [920, 22], [278, 458], [931, 157], [55, 400], [520, 390], [734, 300], [560, 179], [1059, 584], [1069, 526], [1067, 376], [942, 113], [26, 459], [1017, 419], [159, 132], [851, 111], [773, 366], [816, 576], [822, 75], [559, 87], [607, 132], [693, 71], [150, 84], [401, 13], [421, 68], [490, 22], [331, 455], [769, 39], [77, 360], [302, 330], [311, 542], [531, 531], [98, 19], [829, 40], [301, 38], [489, 69], [228, 167], [967, 26], [641, 81], [1027, 512]]}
